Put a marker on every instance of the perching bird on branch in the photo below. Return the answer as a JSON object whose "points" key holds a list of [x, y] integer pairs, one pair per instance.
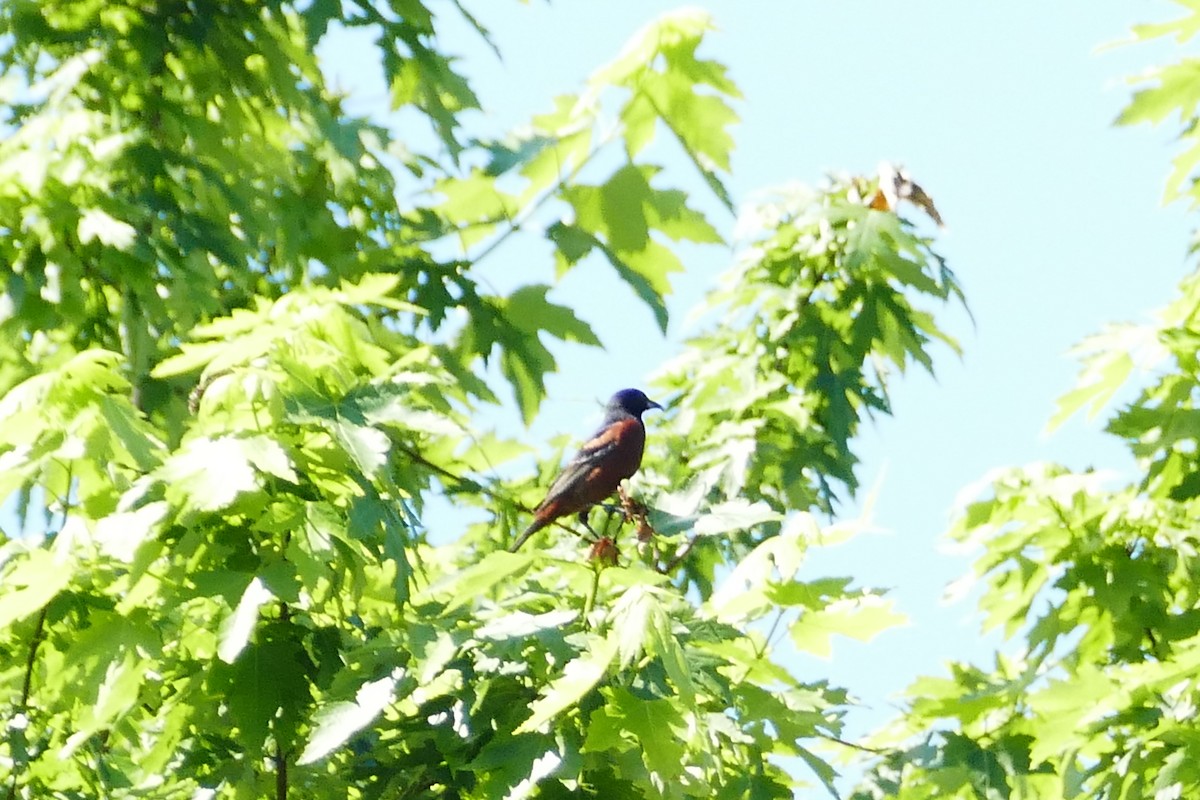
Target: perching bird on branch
{"points": [[613, 454]]}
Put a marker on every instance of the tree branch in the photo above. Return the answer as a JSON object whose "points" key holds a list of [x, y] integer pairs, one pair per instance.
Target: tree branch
{"points": [[281, 773], [39, 633]]}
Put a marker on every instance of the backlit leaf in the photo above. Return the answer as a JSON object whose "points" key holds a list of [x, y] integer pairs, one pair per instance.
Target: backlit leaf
{"points": [[861, 618]]}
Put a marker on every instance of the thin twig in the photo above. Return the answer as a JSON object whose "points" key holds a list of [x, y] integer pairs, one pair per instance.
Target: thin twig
{"points": [[524, 216], [39, 633], [39, 630], [864, 748], [770, 633], [467, 483], [589, 602], [679, 556], [280, 757], [27, 685], [474, 485]]}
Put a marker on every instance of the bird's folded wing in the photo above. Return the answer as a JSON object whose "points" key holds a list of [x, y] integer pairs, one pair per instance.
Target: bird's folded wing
{"points": [[590, 455]]}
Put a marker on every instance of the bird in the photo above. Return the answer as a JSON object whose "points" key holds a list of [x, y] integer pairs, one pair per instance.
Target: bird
{"points": [[612, 454]]}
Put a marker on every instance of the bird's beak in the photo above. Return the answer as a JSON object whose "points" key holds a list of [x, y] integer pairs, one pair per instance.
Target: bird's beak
{"points": [[652, 404]]}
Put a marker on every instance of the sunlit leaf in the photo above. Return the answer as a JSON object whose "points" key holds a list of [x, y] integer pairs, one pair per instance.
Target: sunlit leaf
{"points": [[31, 582], [236, 629], [337, 722], [653, 726], [579, 677], [209, 474], [97, 225]]}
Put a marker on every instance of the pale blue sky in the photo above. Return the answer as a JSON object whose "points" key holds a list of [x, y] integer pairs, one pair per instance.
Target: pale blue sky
{"points": [[1003, 113]]}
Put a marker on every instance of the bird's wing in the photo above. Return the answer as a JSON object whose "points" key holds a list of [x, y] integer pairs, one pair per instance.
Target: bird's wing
{"points": [[590, 455]]}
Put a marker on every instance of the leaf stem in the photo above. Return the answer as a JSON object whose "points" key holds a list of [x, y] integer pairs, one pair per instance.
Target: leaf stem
{"points": [[589, 602], [280, 757], [466, 483]]}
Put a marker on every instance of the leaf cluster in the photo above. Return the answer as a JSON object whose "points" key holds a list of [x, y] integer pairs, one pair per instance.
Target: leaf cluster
{"points": [[245, 347], [812, 322]]}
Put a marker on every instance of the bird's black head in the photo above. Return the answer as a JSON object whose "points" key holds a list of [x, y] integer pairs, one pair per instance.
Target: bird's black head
{"points": [[630, 401]]}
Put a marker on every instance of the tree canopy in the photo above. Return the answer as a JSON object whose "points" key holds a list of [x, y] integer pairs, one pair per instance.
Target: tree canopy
{"points": [[246, 343]]}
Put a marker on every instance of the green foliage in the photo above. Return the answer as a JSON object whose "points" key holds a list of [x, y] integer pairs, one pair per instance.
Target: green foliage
{"points": [[239, 363], [1092, 581], [813, 319]]}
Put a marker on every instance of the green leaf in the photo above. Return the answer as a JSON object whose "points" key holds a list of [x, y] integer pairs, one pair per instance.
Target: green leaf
{"points": [[269, 457], [1177, 90], [235, 630], [633, 618], [337, 722], [119, 535], [734, 515], [616, 218], [572, 244], [743, 594], [143, 450], [660, 67], [646, 273], [375, 289], [115, 696], [1108, 361], [209, 474], [30, 583], [860, 618], [664, 644], [474, 198], [522, 625], [531, 312], [368, 447], [578, 678], [474, 582], [524, 359], [1184, 28], [267, 689], [617, 208], [98, 225], [656, 726], [821, 768], [427, 81]]}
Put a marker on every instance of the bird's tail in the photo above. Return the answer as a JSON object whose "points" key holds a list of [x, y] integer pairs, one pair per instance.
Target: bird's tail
{"points": [[533, 528]]}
